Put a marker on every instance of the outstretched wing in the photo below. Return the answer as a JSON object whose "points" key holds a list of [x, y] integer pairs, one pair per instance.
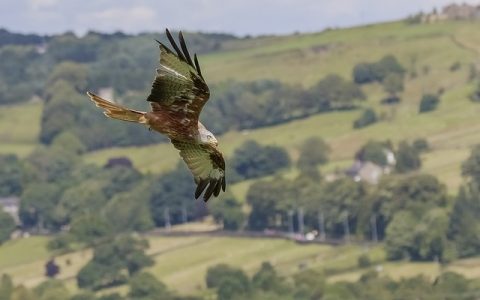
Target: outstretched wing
{"points": [[179, 85], [207, 166]]}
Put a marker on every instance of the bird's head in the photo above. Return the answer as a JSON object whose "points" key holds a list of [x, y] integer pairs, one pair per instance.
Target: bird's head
{"points": [[207, 137]]}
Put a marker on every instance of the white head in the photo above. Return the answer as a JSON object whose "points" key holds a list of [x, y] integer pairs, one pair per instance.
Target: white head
{"points": [[207, 137]]}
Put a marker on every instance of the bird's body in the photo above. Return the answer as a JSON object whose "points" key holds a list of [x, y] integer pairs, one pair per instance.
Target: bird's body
{"points": [[178, 95]]}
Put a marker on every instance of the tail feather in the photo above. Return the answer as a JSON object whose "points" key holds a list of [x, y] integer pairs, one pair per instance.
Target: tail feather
{"points": [[116, 111]]}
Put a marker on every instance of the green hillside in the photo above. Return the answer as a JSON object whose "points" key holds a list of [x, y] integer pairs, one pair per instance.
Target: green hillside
{"points": [[304, 59], [182, 262]]}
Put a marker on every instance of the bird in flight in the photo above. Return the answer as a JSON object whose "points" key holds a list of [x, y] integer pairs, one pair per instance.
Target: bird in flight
{"points": [[178, 95]]}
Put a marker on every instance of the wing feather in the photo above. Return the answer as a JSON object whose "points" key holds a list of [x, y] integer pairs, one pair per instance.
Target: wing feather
{"points": [[179, 85], [207, 166]]}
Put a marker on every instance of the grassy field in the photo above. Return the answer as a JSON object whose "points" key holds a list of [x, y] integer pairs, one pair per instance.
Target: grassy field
{"points": [[181, 262], [19, 128]]}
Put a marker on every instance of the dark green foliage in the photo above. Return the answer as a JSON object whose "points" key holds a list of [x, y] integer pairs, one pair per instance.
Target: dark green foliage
{"points": [[228, 281], [227, 211], [364, 261], [266, 278], [10, 38], [373, 151], [90, 228], [313, 151], [51, 290], [144, 286], [113, 262], [339, 200], [267, 200], [11, 173], [464, 223], [471, 167], [428, 103], [216, 274], [84, 296], [421, 145], [393, 84], [455, 66], [475, 96], [18, 65], [368, 117], [7, 226], [6, 287], [407, 157], [251, 160], [309, 284], [172, 193], [38, 204], [378, 71], [334, 92]]}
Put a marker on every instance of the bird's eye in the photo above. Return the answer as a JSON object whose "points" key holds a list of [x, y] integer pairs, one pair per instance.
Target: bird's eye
{"points": [[209, 137]]}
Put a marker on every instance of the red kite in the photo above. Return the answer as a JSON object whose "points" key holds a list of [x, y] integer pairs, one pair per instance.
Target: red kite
{"points": [[178, 95]]}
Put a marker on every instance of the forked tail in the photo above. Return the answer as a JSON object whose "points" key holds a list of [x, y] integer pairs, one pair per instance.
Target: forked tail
{"points": [[116, 111]]}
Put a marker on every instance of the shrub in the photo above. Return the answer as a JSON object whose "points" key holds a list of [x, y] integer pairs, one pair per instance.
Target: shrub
{"points": [[368, 117], [428, 103]]}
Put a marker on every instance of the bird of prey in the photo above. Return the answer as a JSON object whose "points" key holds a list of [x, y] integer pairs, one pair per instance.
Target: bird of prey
{"points": [[177, 97]]}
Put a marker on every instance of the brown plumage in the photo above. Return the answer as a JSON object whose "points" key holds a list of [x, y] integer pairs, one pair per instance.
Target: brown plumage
{"points": [[178, 95]]}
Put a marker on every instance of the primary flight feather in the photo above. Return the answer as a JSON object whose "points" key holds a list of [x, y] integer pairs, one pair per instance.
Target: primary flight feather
{"points": [[178, 95]]}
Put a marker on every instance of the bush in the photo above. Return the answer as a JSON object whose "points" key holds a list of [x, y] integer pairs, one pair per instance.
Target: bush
{"points": [[475, 96], [377, 71], [364, 261], [421, 145], [368, 117], [428, 103]]}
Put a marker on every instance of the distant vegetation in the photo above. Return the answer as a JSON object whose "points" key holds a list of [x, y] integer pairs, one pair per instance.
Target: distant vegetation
{"points": [[276, 177]]}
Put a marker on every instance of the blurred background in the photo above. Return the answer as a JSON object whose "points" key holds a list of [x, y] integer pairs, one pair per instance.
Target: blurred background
{"points": [[350, 130]]}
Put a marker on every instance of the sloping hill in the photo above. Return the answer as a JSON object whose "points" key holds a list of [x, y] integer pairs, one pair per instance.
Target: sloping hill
{"points": [[429, 50]]}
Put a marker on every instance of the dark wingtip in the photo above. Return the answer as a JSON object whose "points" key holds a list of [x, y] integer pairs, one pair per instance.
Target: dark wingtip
{"points": [[200, 188], [197, 65], [174, 45], [224, 184], [184, 48], [209, 191]]}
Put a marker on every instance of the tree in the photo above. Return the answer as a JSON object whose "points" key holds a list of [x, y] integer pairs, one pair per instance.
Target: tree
{"points": [[228, 211], [144, 286], [90, 229], [266, 278], [309, 284], [313, 151], [113, 262], [400, 235], [475, 96], [393, 84], [373, 151], [11, 174], [464, 225], [471, 167], [6, 287], [268, 201], [38, 204], [171, 193], [251, 160], [334, 92], [51, 268], [7, 226], [421, 145], [428, 103], [367, 118], [407, 158], [377, 71], [52, 290], [228, 281]]}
